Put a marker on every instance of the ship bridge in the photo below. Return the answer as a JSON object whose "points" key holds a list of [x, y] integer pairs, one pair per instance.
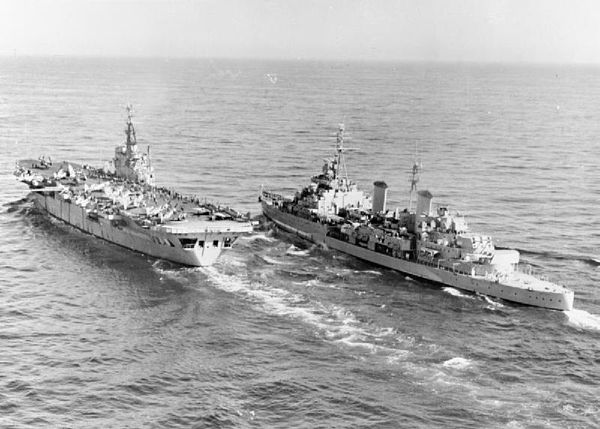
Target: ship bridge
{"points": [[129, 163]]}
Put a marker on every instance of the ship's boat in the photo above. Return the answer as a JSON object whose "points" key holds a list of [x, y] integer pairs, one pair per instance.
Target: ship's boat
{"points": [[122, 205], [425, 241]]}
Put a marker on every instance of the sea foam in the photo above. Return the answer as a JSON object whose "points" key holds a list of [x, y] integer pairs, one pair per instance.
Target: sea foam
{"points": [[295, 251], [583, 320], [255, 237], [457, 363], [456, 292], [332, 322]]}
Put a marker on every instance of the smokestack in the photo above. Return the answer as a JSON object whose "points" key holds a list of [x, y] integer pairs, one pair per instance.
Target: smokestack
{"points": [[379, 196], [423, 203]]}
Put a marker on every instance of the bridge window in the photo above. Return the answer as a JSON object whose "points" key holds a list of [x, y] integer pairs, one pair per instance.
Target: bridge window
{"points": [[216, 243]]}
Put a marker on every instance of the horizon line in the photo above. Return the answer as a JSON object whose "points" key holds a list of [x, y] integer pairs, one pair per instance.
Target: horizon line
{"points": [[298, 59]]}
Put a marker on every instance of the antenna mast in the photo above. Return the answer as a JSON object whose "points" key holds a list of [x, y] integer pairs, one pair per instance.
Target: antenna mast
{"points": [[130, 131], [339, 147], [415, 177]]}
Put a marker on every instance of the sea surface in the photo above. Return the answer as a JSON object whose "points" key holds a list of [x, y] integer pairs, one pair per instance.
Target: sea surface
{"points": [[280, 333]]}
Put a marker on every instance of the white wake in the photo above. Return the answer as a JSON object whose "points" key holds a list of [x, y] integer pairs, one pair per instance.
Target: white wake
{"points": [[583, 320]]}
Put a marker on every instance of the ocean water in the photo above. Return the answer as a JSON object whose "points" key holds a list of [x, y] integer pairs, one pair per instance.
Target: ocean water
{"points": [[279, 333]]}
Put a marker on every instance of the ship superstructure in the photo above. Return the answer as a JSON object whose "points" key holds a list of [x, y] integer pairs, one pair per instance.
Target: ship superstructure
{"points": [[429, 242], [129, 163], [126, 208]]}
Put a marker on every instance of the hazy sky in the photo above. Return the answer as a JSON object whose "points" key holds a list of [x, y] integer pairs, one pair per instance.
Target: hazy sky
{"points": [[450, 30]]}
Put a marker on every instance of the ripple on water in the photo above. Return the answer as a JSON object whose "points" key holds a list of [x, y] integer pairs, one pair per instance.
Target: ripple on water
{"points": [[279, 333]]}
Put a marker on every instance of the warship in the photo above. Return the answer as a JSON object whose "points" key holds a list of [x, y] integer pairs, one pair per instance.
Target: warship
{"points": [[428, 242], [122, 205]]}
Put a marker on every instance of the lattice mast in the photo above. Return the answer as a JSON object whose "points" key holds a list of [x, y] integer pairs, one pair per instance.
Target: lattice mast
{"points": [[130, 130], [340, 161], [415, 176]]}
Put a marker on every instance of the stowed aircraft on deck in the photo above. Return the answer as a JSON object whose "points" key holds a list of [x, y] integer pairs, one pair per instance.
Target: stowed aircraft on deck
{"points": [[126, 208]]}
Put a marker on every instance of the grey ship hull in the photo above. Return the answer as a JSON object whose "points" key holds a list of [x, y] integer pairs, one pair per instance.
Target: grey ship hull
{"points": [[316, 232], [124, 232], [304, 228]]}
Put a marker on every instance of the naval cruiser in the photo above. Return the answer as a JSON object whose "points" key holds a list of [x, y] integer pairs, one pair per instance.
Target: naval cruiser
{"points": [[122, 205], [428, 242]]}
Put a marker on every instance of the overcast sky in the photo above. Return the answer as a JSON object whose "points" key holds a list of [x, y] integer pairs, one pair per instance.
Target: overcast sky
{"points": [[432, 30]]}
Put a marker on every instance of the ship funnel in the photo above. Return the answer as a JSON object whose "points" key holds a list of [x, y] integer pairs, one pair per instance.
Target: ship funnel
{"points": [[423, 203], [379, 196]]}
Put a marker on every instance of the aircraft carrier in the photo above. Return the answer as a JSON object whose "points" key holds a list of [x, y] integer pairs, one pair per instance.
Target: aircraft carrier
{"points": [[122, 205]]}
